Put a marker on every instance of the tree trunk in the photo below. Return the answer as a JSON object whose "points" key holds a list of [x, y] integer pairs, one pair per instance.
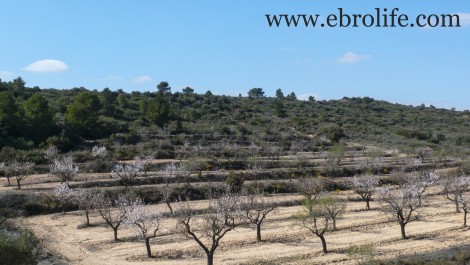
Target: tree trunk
{"points": [[403, 233], [457, 209], [169, 207], [115, 229], [87, 218], [258, 232], [323, 244], [19, 184], [368, 204], [210, 258], [9, 183], [465, 218], [334, 223], [147, 244]]}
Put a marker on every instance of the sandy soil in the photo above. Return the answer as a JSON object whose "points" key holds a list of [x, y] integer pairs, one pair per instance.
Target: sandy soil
{"points": [[439, 227]]}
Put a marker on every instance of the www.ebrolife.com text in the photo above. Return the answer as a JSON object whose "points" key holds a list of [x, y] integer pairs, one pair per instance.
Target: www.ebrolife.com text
{"points": [[380, 18]]}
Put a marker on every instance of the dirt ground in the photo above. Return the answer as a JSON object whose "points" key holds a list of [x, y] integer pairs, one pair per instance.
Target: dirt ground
{"points": [[438, 228]]}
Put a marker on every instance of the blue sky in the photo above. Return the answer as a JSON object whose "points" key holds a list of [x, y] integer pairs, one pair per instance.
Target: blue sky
{"points": [[228, 48]]}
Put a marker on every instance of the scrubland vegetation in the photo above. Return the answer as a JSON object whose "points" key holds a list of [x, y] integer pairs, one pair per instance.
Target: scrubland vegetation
{"points": [[176, 178]]}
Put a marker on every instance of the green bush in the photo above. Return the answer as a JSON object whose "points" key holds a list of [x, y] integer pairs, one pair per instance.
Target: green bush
{"points": [[235, 181], [18, 247]]}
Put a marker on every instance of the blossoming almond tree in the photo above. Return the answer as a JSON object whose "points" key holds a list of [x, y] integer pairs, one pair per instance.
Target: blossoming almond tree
{"points": [[3, 172], [64, 169], [315, 218], [85, 200], [126, 173], [20, 170], [64, 194], [210, 226], [145, 162], [112, 211], [453, 188], [166, 191], [464, 201], [365, 186], [139, 214], [402, 204], [99, 151], [255, 207]]}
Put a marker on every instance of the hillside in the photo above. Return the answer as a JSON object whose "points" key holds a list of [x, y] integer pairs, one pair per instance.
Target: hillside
{"points": [[78, 118]]}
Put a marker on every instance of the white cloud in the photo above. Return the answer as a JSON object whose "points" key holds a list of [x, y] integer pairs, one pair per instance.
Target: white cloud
{"points": [[142, 79], [351, 57], [6, 75], [306, 96], [464, 19], [46, 66]]}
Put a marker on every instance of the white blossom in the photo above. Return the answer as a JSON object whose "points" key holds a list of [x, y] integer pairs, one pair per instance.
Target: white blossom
{"points": [[64, 168], [127, 173], [138, 214], [113, 217], [145, 162], [99, 151], [64, 193], [365, 186], [401, 204], [454, 187], [51, 153], [20, 170]]}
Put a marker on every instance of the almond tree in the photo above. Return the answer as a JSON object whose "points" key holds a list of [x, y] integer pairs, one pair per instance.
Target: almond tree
{"points": [[64, 194], [194, 164], [112, 211], [183, 151], [402, 204], [148, 223], [315, 218], [273, 152], [51, 153], [454, 187], [365, 186], [310, 187], [99, 151], [20, 170], [464, 201], [301, 160], [255, 207], [423, 152], [421, 181], [373, 160], [64, 169], [253, 149], [3, 171], [166, 191], [228, 150], [126, 173], [219, 218], [334, 156], [145, 162], [333, 209], [256, 169], [86, 202]]}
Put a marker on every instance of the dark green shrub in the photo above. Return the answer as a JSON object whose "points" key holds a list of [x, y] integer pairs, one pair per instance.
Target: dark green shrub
{"points": [[18, 247], [98, 166], [235, 181]]}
